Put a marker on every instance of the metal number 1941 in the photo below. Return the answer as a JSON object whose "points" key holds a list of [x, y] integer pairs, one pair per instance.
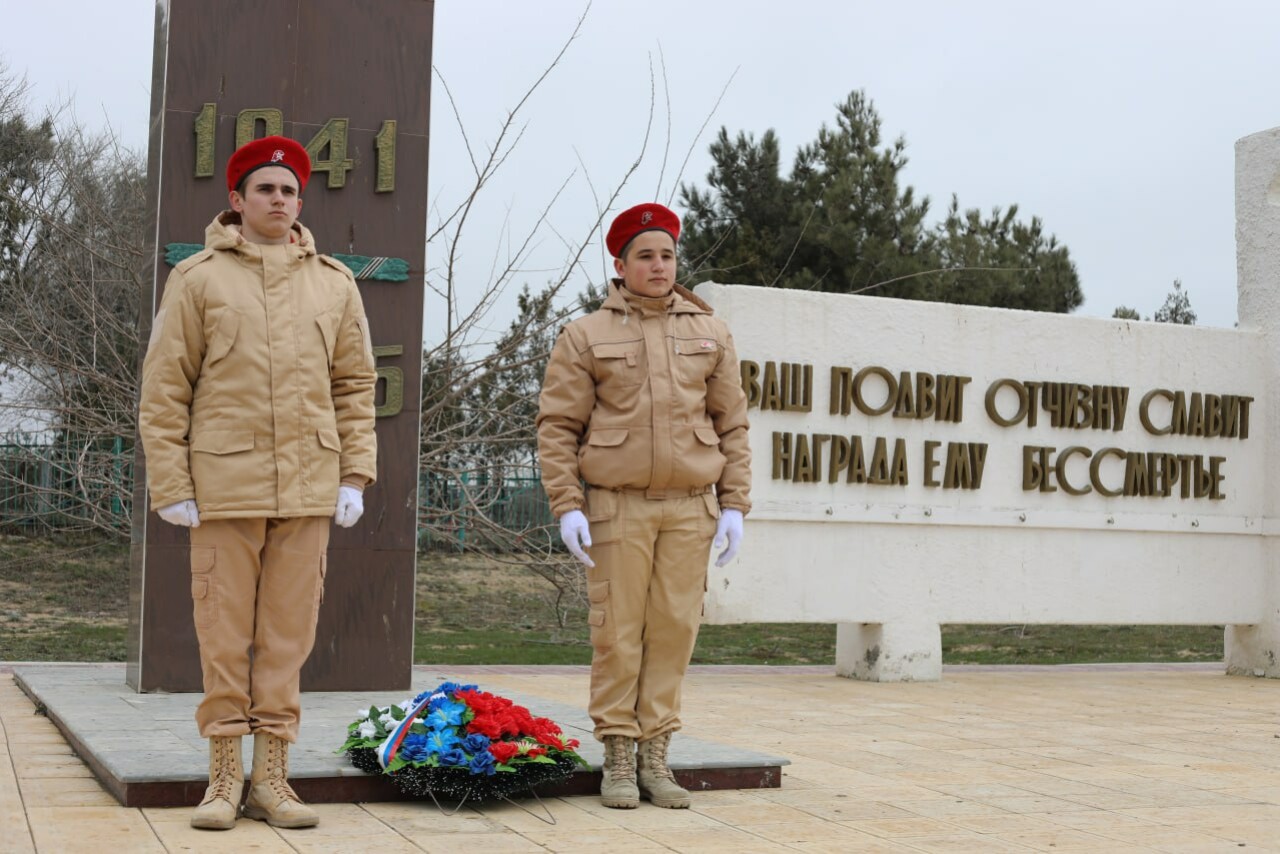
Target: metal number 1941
{"points": [[331, 139]]}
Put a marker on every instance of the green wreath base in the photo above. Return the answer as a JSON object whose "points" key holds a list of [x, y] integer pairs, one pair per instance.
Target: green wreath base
{"points": [[459, 784]]}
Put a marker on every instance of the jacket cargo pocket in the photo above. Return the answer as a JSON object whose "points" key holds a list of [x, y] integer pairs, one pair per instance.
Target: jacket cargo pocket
{"points": [[222, 464], [329, 439], [698, 449], [707, 436], [222, 441], [606, 460], [618, 363], [695, 360], [607, 437], [603, 633], [204, 590], [323, 477]]}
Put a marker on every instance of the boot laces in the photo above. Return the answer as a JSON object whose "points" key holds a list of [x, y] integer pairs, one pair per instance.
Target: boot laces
{"points": [[278, 771], [281, 789], [622, 762], [224, 771], [656, 753]]}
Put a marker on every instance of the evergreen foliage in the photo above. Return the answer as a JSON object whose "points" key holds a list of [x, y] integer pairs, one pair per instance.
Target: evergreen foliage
{"points": [[842, 222]]}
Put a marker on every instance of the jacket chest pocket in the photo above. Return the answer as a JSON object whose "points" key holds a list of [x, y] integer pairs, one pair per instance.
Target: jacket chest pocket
{"points": [[223, 336], [695, 359], [619, 363]]}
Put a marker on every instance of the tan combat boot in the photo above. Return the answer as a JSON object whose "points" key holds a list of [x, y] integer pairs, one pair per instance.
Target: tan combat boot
{"points": [[618, 779], [270, 797], [221, 802], [656, 781]]}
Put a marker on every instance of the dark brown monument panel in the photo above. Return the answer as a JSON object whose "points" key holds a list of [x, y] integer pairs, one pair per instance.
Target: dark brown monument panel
{"points": [[367, 62]]}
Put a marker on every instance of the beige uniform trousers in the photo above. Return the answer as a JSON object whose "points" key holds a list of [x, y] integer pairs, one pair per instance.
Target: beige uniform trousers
{"points": [[256, 585], [646, 594]]}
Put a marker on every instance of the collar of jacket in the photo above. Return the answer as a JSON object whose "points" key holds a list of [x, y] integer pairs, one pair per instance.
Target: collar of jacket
{"points": [[680, 301], [224, 233]]}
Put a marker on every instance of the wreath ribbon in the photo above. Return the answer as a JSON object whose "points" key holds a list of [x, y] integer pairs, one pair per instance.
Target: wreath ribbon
{"points": [[388, 749]]}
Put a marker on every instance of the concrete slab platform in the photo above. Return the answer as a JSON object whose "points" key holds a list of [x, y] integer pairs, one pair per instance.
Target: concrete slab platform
{"points": [[145, 750]]}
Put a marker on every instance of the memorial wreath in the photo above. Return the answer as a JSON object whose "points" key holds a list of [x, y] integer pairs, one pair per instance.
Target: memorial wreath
{"points": [[460, 743]]}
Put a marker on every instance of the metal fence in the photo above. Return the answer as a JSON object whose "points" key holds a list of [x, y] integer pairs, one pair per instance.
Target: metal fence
{"points": [[64, 483], [495, 511]]}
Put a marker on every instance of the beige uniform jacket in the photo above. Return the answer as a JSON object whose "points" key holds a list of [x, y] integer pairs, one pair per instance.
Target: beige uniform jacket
{"points": [[644, 394], [258, 383]]}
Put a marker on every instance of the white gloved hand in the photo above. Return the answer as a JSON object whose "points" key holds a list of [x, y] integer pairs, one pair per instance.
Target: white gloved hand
{"points": [[184, 514], [350, 506], [574, 530], [729, 529]]}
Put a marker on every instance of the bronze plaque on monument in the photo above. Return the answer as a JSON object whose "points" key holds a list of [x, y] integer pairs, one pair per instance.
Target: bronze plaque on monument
{"points": [[350, 80]]}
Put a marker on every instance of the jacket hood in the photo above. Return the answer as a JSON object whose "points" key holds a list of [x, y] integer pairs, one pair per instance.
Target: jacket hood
{"points": [[681, 299], [224, 233]]}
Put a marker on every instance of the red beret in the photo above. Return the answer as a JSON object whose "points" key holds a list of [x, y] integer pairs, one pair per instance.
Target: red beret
{"points": [[633, 221], [269, 151]]}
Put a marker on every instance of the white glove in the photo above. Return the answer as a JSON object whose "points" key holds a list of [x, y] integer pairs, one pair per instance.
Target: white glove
{"points": [[728, 528], [574, 529], [350, 506], [184, 513]]}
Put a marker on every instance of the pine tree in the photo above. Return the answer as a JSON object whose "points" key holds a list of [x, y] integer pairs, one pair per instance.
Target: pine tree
{"points": [[1177, 307], [841, 222]]}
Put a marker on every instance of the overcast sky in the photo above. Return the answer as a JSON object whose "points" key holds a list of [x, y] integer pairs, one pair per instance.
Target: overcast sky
{"points": [[1115, 123]]}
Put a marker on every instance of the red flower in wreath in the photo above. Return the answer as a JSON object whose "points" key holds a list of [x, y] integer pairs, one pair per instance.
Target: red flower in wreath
{"points": [[504, 751]]}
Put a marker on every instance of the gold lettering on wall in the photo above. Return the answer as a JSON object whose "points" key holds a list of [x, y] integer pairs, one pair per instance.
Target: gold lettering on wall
{"points": [[1223, 416]]}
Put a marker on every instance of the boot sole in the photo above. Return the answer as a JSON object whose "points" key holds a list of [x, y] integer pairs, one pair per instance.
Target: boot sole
{"points": [[670, 804], [263, 815], [212, 825], [620, 805], [677, 803]]}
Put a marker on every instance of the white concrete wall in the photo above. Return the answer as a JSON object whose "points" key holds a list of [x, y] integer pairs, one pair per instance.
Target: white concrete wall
{"points": [[889, 563]]}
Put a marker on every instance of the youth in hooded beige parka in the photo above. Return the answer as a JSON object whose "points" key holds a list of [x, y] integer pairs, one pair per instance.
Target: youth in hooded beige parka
{"points": [[644, 394], [257, 387]]}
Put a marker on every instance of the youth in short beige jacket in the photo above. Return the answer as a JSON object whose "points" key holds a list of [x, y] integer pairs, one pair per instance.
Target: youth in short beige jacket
{"points": [[644, 394], [258, 383]]}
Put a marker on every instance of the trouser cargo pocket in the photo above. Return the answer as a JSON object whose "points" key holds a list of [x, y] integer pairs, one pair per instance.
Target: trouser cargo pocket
{"points": [[603, 632], [204, 590]]}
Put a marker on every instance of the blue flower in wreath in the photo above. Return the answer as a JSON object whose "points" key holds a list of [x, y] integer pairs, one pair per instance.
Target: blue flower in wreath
{"points": [[446, 715], [482, 763], [441, 740], [476, 743], [453, 758], [415, 748], [445, 690]]}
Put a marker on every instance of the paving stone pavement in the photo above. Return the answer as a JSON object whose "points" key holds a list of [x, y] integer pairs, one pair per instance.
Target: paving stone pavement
{"points": [[1102, 759]]}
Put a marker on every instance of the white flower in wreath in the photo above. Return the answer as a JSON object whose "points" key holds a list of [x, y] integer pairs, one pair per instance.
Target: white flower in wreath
{"points": [[368, 729], [362, 714], [387, 721], [406, 705]]}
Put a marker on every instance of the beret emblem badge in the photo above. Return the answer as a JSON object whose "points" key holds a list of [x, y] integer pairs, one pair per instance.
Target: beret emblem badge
{"points": [[277, 155], [646, 218]]}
